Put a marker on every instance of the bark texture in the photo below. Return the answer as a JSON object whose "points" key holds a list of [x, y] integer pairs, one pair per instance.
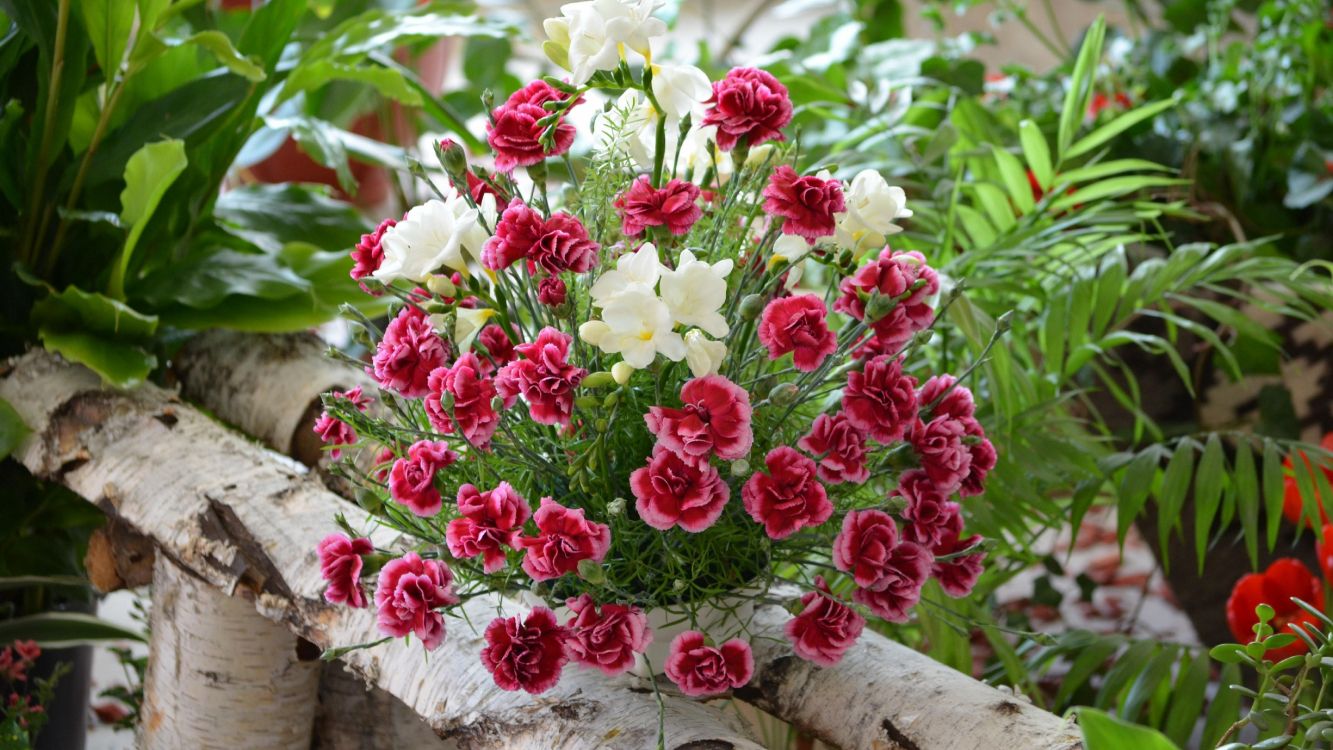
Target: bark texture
{"points": [[354, 716], [246, 521], [220, 675]]}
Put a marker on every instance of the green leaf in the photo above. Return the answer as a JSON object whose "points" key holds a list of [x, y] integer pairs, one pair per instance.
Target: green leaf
{"points": [[1117, 126], [76, 310], [108, 23], [1247, 499], [389, 82], [1015, 179], [1112, 188], [1080, 86], [1127, 666], [205, 279], [1187, 700], [122, 364], [1274, 492], [1207, 494], [1088, 661], [12, 429], [1108, 168], [219, 44], [1037, 153], [1225, 707], [1102, 731], [1158, 669], [1134, 487], [272, 216], [148, 175], [1171, 498], [64, 629]]}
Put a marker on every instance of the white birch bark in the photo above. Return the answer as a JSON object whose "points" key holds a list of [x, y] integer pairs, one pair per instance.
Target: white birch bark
{"points": [[247, 521], [221, 676]]}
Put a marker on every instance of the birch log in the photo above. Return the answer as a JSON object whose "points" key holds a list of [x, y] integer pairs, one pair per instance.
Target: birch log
{"points": [[247, 521], [883, 696], [220, 676]]}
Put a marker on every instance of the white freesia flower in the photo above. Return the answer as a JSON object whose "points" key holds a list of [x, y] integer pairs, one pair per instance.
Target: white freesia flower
{"points": [[637, 270], [468, 322], [791, 248], [872, 206], [438, 233], [695, 290], [697, 150], [596, 32], [703, 355], [679, 89], [637, 325]]}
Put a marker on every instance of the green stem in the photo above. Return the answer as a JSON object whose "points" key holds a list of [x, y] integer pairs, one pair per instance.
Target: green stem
{"points": [[36, 228], [659, 150]]}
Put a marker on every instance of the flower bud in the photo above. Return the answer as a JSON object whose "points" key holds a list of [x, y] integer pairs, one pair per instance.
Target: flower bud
{"points": [[1004, 322], [616, 507], [751, 306], [923, 336], [592, 572], [442, 285], [497, 404], [783, 394], [740, 467], [452, 158], [621, 372], [600, 425], [586, 402], [895, 504], [599, 379], [611, 399], [678, 585], [878, 306], [371, 502]]}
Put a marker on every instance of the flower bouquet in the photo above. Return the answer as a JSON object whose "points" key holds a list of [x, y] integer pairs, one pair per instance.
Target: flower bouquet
{"points": [[641, 388]]}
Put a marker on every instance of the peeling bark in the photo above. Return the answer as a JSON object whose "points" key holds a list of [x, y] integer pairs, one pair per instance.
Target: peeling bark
{"points": [[247, 521]]}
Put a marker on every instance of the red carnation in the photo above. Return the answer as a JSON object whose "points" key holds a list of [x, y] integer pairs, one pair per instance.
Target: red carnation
{"points": [[796, 324], [981, 459], [929, 512], [895, 594], [479, 188], [408, 593], [902, 276], [699, 669], [841, 447], [674, 206], [807, 203], [788, 498], [825, 628], [466, 383], [528, 655], [880, 399], [606, 639], [412, 479], [551, 291], [714, 419], [499, 347], [671, 491], [408, 353], [939, 446], [340, 565], [556, 244], [1284, 579], [514, 133], [865, 546], [543, 377], [368, 255], [564, 538], [944, 397], [957, 576], [748, 103], [334, 431], [489, 522]]}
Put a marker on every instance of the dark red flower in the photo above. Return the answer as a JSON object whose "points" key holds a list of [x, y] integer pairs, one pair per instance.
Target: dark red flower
{"points": [[1293, 506], [1323, 549], [1284, 579], [499, 348], [514, 133], [480, 188], [408, 352], [699, 669], [789, 497], [489, 522], [671, 491], [556, 244], [551, 291], [939, 446], [894, 596], [464, 382], [334, 431], [340, 565], [368, 255], [412, 479], [796, 324], [903, 277], [929, 511], [982, 458], [564, 538], [806, 203], [675, 206], [957, 576], [748, 103], [841, 448], [409, 592], [864, 547], [880, 399], [528, 655], [606, 639], [945, 398], [825, 628], [714, 419], [544, 377]]}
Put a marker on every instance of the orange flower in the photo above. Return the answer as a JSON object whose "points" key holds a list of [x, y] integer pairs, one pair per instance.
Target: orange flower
{"points": [[1284, 579]]}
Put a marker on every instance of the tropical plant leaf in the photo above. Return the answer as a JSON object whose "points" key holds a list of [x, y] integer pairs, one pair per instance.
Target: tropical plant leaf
{"points": [[64, 629]]}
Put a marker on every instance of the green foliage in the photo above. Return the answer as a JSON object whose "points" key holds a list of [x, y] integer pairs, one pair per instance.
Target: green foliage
{"points": [[1102, 731], [12, 429], [64, 630]]}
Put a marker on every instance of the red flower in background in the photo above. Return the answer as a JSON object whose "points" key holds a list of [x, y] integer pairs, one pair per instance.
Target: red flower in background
{"points": [[806, 203], [367, 255], [559, 243], [1284, 579], [1293, 508], [1323, 549], [748, 103]]}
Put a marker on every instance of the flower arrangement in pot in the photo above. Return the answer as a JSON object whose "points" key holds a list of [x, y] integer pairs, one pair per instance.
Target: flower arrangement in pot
{"points": [[641, 390]]}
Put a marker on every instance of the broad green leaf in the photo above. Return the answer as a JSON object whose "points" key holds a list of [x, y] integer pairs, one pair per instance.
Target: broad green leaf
{"points": [[109, 24], [76, 310], [1171, 498], [1117, 126], [1088, 661], [120, 363], [1274, 492], [1225, 708], [994, 203], [1127, 666], [1108, 168], [148, 175], [12, 429], [1080, 86], [1102, 731], [1037, 153], [1134, 486], [389, 82], [1112, 188], [64, 629], [1247, 499], [272, 216], [1207, 494], [1187, 700], [222, 50], [1015, 179], [207, 278], [1158, 670]]}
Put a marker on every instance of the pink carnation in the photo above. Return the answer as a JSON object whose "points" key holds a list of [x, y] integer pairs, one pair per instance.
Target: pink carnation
{"points": [[607, 639], [982, 459], [565, 537], [928, 511], [714, 419], [557, 244], [903, 276], [527, 655], [408, 593], [825, 628], [544, 377], [334, 431], [499, 347], [412, 479], [368, 255], [551, 291], [954, 400], [466, 383], [959, 575], [788, 498], [675, 206], [489, 521], [699, 669], [842, 447], [671, 491], [806, 203], [408, 353], [880, 399], [340, 565], [796, 324], [748, 103], [939, 446], [514, 133], [899, 590], [864, 547]]}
